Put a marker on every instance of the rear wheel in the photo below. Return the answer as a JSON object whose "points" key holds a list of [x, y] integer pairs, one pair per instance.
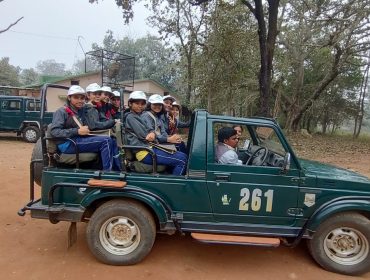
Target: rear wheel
{"points": [[37, 167], [31, 134], [121, 232], [342, 244]]}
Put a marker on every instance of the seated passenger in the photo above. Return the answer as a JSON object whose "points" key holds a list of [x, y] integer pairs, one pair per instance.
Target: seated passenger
{"points": [[69, 122], [151, 116], [116, 103], [170, 122], [138, 133], [93, 109], [225, 148], [238, 129], [106, 94]]}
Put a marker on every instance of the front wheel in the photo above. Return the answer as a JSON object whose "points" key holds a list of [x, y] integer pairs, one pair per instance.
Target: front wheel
{"points": [[341, 244], [31, 134], [121, 232]]}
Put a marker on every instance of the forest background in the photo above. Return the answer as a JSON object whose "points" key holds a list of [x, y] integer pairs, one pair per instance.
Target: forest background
{"points": [[211, 53]]}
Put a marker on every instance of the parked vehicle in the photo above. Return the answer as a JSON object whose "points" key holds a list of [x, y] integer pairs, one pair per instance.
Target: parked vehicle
{"points": [[275, 199], [21, 114]]}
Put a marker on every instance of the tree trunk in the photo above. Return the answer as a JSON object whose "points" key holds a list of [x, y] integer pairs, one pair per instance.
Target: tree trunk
{"points": [[189, 80], [267, 40], [361, 102]]}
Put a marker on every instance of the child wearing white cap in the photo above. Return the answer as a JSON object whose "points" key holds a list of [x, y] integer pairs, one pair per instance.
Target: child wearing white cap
{"points": [[69, 121]]}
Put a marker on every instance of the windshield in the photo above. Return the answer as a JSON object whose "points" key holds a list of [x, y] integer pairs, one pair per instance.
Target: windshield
{"points": [[267, 138]]}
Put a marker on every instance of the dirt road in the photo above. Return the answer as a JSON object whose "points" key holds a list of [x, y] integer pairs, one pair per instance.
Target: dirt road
{"points": [[36, 249]]}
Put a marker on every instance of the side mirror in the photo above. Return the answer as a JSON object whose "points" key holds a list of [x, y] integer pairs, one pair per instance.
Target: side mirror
{"points": [[286, 165]]}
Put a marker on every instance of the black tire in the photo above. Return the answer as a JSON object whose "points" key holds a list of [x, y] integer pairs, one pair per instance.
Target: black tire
{"points": [[342, 244], [121, 232], [37, 168], [31, 134]]}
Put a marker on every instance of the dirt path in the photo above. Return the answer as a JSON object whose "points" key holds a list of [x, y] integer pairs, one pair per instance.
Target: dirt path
{"points": [[36, 249]]}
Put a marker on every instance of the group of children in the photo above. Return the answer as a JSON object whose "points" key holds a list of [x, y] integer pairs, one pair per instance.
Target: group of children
{"points": [[153, 121], [146, 123]]}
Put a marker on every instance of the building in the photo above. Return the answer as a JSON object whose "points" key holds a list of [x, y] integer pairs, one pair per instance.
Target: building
{"points": [[56, 97]]}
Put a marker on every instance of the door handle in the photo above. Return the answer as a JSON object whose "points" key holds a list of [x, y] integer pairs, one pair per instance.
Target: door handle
{"points": [[222, 177]]}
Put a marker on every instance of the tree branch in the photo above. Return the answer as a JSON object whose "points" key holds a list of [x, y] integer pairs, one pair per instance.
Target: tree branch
{"points": [[249, 6], [11, 25]]}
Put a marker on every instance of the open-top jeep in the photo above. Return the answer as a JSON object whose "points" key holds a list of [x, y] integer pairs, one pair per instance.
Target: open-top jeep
{"points": [[21, 114], [275, 199]]}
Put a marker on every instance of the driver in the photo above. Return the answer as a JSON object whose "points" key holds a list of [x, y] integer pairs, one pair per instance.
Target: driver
{"points": [[225, 148]]}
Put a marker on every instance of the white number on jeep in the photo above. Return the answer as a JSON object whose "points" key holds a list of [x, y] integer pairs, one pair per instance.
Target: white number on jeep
{"points": [[256, 200]]}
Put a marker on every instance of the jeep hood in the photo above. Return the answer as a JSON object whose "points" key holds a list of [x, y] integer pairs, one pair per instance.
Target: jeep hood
{"points": [[327, 171]]}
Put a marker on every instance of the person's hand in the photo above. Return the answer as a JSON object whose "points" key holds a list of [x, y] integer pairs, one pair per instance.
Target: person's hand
{"points": [[175, 139], [83, 130], [150, 137]]}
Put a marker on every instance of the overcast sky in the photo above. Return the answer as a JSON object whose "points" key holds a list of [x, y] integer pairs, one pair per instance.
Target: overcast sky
{"points": [[50, 28]]}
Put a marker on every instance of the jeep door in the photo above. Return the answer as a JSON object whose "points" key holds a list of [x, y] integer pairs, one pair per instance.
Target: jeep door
{"points": [[11, 113], [251, 195]]}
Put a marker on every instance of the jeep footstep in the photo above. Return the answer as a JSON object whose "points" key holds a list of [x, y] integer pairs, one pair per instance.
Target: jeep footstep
{"points": [[236, 239]]}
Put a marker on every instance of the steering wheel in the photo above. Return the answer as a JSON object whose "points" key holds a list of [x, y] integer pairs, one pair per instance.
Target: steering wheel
{"points": [[259, 157]]}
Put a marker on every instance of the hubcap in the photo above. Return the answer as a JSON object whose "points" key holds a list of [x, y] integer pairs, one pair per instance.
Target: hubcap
{"points": [[346, 246], [119, 235], [31, 135]]}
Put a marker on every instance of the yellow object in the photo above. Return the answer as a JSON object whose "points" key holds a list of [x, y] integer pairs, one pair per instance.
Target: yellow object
{"points": [[141, 155]]}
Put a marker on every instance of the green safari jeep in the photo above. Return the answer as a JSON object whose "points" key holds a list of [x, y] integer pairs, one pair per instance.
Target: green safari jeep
{"points": [[21, 114], [276, 198]]}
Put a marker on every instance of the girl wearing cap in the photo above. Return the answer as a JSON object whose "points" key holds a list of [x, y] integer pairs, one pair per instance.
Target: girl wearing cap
{"points": [[93, 109], [140, 133], [152, 115], [69, 122], [106, 94], [170, 122], [116, 103]]}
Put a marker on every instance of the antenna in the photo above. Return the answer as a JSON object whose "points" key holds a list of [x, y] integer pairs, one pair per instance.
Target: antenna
{"points": [[78, 39]]}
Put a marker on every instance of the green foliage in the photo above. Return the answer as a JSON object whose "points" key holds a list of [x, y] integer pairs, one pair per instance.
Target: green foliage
{"points": [[152, 59], [29, 77], [227, 67], [8, 73], [51, 68], [321, 43]]}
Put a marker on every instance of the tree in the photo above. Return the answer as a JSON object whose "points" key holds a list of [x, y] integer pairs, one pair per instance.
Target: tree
{"points": [[267, 39], [8, 73], [360, 108], [152, 59], [179, 20], [225, 67], [29, 77], [51, 67], [267, 33], [336, 32], [184, 22]]}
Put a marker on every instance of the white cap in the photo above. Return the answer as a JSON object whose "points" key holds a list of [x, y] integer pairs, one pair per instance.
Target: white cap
{"points": [[93, 88], [155, 99], [173, 99], [176, 104], [116, 93], [137, 95], [75, 90], [106, 89]]}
